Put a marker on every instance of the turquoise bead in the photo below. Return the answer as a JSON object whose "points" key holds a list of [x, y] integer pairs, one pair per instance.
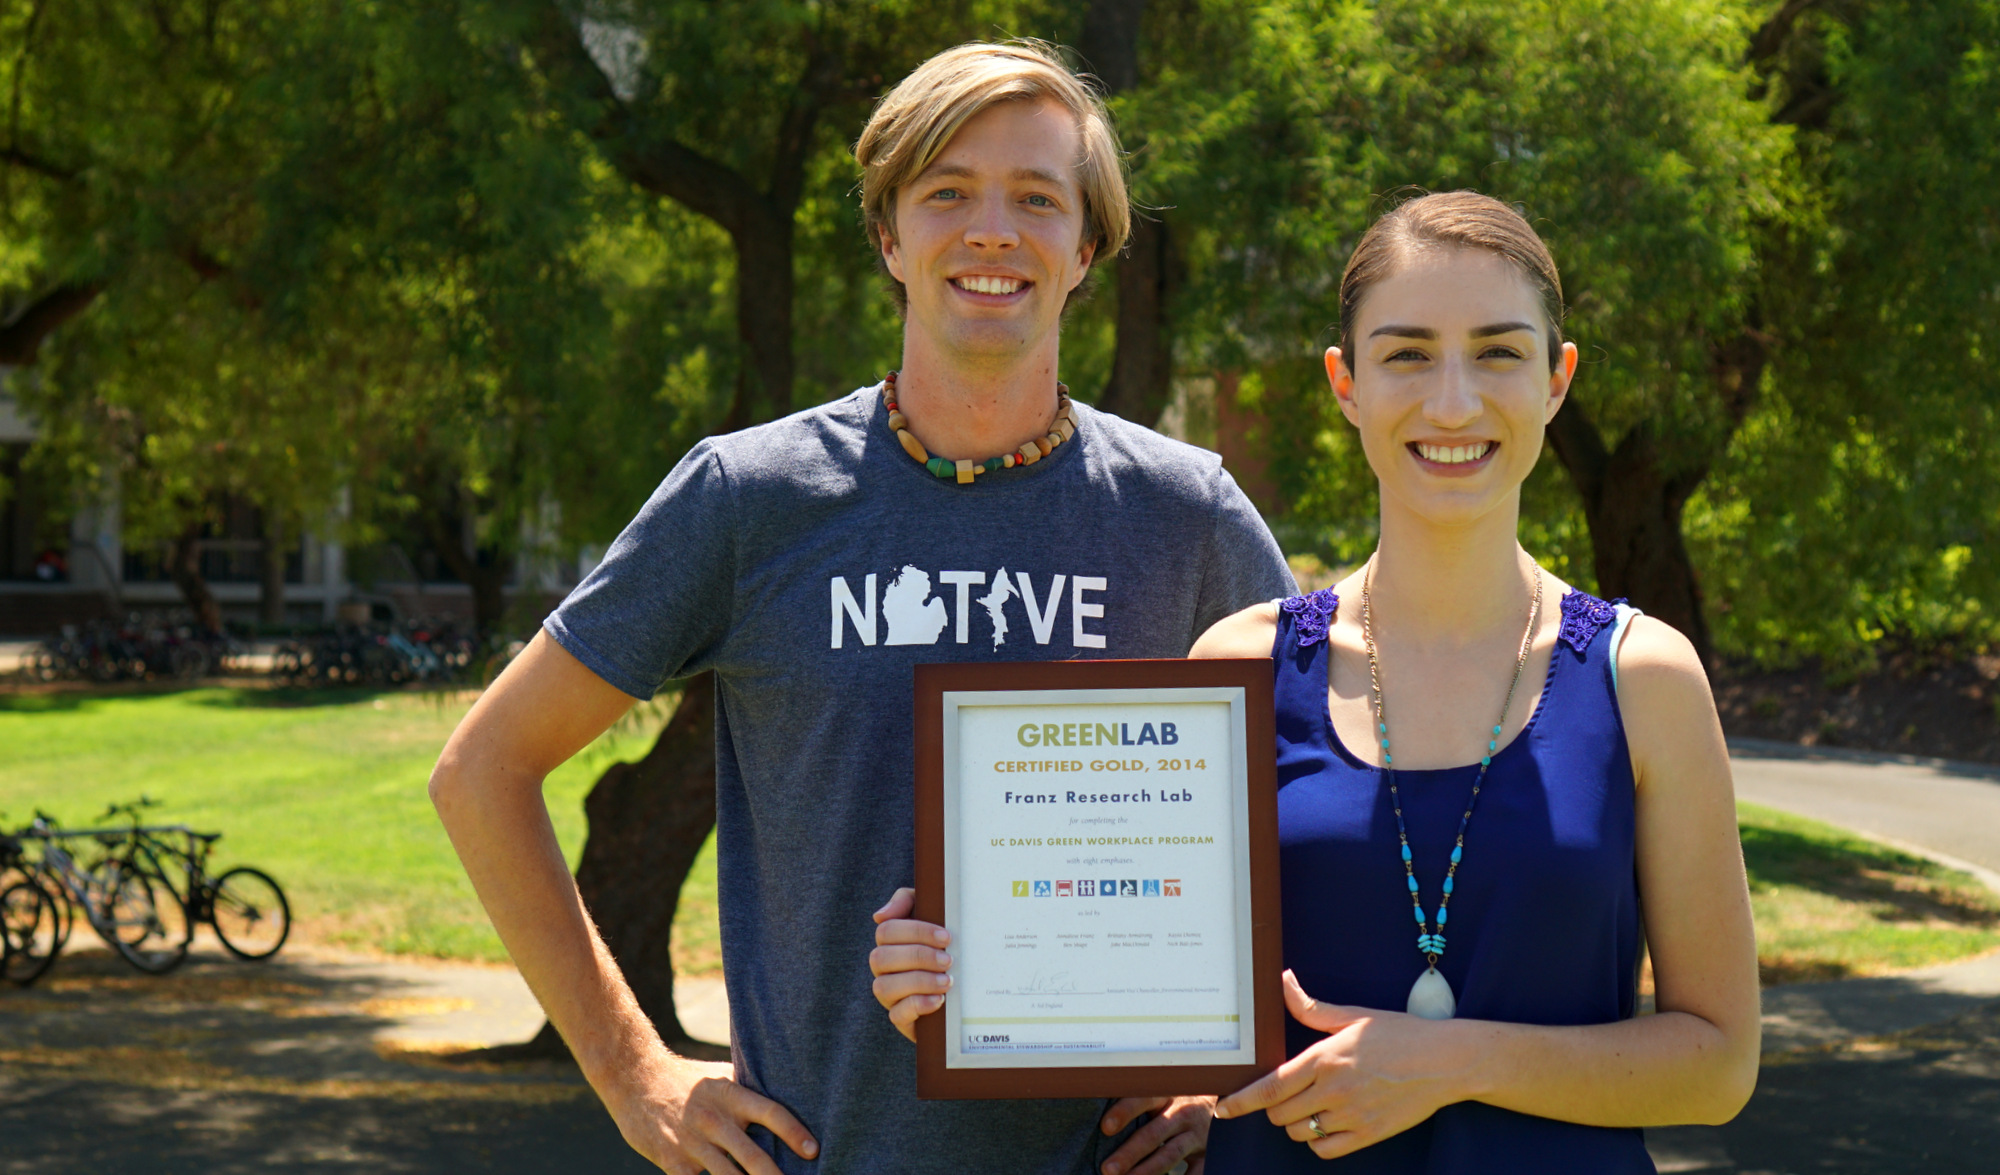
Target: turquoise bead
{"points": [[1456, 852], [1406, 852], [1442, 912], [1496, 732], [1384, 727], [1486, 760], [1387, 758], [1413, 885], [1418, 913], [1447, 885]]}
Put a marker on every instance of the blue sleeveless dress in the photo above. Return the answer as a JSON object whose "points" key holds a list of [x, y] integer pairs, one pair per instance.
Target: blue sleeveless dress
{"points": [[1544, 910]]}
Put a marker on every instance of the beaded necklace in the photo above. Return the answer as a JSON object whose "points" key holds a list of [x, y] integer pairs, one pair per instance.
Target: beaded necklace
{"points": [[1062, 428], [1431, 997]]}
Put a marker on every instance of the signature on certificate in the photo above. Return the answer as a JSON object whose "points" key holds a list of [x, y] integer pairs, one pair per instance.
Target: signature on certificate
{"points": [[1049, 983]]}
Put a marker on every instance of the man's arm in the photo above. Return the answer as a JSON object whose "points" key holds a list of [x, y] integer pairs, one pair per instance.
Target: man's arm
{"points": [[684, 1115]]}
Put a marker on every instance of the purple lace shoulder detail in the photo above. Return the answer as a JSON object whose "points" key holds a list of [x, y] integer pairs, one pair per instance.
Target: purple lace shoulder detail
{"points": [[1584, 615], [1312, 614]]}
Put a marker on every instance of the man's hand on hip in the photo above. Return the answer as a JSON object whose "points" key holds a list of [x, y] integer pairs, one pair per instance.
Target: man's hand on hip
{"points": [[692, 1116]]}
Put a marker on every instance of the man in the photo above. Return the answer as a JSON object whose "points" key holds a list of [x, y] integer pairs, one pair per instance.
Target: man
{"points": [[811, 563]]}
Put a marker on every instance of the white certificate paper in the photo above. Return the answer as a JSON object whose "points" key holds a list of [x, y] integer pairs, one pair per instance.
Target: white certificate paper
{"points": [[1097, 866]]}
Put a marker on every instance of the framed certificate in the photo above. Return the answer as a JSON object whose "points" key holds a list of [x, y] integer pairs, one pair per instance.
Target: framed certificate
{"points": [[1101, 838]]}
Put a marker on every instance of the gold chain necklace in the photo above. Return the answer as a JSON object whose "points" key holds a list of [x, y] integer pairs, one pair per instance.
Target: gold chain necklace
{"points": [[1062, 428], [1431, 996]]}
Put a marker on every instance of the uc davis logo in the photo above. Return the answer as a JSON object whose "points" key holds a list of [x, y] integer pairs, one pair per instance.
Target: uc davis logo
{"points": [[1086, 889], [1042, 889], [1171, 887], [1152, 888], [1020, 889]]}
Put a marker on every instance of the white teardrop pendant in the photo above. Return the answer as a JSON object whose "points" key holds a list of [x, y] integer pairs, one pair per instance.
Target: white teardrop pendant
{"points": [[1431, 997]]}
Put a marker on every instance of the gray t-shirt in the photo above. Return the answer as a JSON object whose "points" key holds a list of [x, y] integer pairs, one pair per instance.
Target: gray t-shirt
{"points": [[811, 563]]}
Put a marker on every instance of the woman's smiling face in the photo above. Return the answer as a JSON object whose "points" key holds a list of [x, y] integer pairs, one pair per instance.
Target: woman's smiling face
{"points": [[1450, 385]]}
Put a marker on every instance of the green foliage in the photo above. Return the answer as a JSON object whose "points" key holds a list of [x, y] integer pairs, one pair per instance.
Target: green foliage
{"points": [[1318, 114], [395, 254], [1862, 502]]}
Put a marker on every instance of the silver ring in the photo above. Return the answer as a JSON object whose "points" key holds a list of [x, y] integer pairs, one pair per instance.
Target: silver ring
{"points": [[1312, 1123]]}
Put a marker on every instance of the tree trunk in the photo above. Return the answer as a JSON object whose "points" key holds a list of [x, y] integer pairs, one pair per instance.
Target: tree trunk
{"points": [[1635, 532], [184, 564], [488, 582], [764, 291], [1633, 495], [1142, 368], [647, 823], [271, 580]]}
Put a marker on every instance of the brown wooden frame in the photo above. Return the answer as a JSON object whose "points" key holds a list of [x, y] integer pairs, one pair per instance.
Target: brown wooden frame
{"points": [[934, 1080]]}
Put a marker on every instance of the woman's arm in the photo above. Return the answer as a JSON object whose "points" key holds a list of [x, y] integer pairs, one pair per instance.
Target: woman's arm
{"points": [[1695, 1061], [1248, 633]]}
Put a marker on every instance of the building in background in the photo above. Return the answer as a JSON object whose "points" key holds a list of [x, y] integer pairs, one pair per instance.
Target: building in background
{"points": [[68, 564]]}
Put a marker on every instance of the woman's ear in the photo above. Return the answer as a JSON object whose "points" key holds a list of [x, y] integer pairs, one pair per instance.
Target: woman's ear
{"points": [[1342, 379], [1559, 381]]}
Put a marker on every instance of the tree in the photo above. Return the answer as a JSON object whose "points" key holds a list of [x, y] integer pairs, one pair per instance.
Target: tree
{"points": [[1625, 130], [1859, 502], [129, 173]]}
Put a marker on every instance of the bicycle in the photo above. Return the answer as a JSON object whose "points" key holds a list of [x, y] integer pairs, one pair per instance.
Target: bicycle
{"points": [[32, 926], [117, 902], [245, 907]]}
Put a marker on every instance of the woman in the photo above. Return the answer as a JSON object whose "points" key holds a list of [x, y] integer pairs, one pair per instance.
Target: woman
{"points": [[1495, 793]]}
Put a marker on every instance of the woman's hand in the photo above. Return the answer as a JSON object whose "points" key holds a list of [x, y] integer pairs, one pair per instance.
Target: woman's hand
{"points": [[912, 969], [1377, 1074]]}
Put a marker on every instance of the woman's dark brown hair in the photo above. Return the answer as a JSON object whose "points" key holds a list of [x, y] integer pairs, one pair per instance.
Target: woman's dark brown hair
{"points": [[1463, 220]]}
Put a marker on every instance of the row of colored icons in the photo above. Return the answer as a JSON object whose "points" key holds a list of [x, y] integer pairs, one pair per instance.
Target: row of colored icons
{"points": [[1126, 888]]}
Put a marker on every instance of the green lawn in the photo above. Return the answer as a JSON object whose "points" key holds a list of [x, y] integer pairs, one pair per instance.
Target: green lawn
{"points": [[323, 790], [326, 791], [1829, 904]]}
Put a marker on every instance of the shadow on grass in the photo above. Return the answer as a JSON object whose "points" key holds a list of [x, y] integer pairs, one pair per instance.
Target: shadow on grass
{"points": [[1895, 889], [1902, 888]]}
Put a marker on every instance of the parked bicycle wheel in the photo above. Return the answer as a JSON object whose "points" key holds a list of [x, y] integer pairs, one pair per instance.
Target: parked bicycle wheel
{"points": [[148, 925], [28, 919], [250, 914]]}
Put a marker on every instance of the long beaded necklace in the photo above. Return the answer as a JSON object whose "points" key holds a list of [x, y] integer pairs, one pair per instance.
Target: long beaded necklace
{"points": [[1062, 428], [1431, 996]]}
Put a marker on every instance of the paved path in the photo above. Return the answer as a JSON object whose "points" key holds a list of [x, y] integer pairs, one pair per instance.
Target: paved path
{"points": [[1946, 809], [1864, 1076]]}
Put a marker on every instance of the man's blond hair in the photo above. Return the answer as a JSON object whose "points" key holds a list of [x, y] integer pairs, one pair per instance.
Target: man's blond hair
{"points": [[915, 121]]}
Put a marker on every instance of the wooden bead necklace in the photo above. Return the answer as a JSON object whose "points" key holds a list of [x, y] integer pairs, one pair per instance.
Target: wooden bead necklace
{"points": [[1062, 428]]}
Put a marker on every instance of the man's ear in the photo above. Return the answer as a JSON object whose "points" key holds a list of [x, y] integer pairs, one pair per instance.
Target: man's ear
{"points": [[1084, 253], [1559, 381], [885, 240], [1342, 380]]}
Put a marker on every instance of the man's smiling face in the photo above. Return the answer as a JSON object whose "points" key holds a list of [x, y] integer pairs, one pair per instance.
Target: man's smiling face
{"points": [[987, 241]]}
